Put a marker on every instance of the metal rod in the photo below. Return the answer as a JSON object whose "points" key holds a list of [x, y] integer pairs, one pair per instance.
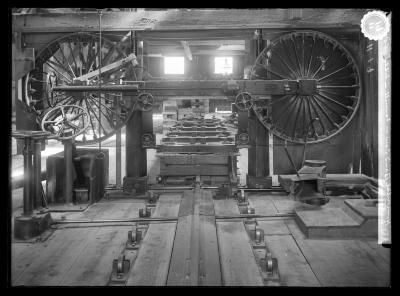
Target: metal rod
{"points": [[96, 88], [100, 65], [27, 207], [169, 219]]}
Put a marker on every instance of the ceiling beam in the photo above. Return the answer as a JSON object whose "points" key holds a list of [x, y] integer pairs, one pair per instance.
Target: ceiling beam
{"points": [[184, 20], [186, 48]]}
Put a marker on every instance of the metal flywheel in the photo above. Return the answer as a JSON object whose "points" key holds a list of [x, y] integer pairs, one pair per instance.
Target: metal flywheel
{"points": [[329, 80], [75, 58]]}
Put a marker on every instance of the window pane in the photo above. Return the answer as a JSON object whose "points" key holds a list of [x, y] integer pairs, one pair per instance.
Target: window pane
{"points": [[223, 65], [174, 65]]}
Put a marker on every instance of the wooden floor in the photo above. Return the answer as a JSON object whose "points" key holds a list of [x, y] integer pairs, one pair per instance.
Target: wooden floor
{"points": [[82, 256]]}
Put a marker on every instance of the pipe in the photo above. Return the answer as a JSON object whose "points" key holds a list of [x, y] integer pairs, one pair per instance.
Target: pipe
{"points": [[116, 220], [244, 216]]}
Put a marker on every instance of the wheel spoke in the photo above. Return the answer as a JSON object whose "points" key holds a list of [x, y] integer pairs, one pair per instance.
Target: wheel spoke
{"points": [[333, 101], [297, 116], [285, 108], [325, 112], [288, 55], [287, 66], [278, 100], [311, 56], [322, 102], [68, 79], [90, 118], [291, 112], [65, 59], [338, 70], [297, 57], [72, 54], [315, 110]]}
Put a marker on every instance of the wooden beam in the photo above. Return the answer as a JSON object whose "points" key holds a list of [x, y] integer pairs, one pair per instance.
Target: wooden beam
{"points": [[186, 48], [196, 19]]}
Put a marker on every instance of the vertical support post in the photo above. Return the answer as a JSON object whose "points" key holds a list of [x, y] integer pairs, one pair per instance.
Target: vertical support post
{"points": [[28, 202], [118, 147], [37, 180], [258, 164], [136, 158], [68, 165]]}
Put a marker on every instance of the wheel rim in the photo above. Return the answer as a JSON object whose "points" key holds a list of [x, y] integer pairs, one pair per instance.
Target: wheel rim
{"points": [[309, 55], [65, 121], [72, 56]]}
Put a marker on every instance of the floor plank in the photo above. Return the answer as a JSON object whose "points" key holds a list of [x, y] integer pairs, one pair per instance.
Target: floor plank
{"points": [[195, 258], [225, 207], [239, 267], [167, 206], [49, 267], [277, 227], [93, 266], [293, 267], [340, 262], [262, 205], [152, 262]]}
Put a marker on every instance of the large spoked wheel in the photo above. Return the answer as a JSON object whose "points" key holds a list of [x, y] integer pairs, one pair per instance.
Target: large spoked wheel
{"points": [[64, 61], [65, 122], [330, 82]]}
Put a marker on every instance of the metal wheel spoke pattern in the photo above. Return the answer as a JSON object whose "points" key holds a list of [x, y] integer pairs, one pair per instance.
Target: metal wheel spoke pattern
{"points": [[332, 89], [65, 121], [68, 58]]}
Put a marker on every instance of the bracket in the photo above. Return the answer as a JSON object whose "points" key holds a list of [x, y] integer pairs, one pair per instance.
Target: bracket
{"points": [[120, 270], [135, 237], [145, 213]]}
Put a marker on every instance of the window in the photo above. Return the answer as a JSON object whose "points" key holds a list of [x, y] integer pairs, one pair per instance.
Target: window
{"points": [[174, 65], [223, 65]]}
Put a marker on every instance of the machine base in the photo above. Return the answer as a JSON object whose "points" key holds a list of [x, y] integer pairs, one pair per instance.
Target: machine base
{"points": [[26, 227]]}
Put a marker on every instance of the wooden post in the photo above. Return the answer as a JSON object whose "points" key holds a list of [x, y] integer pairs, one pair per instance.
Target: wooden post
{"points": [[258, 162]]}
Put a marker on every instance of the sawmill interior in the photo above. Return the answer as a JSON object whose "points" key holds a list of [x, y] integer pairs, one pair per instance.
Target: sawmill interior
{"points": [[198, 147]]}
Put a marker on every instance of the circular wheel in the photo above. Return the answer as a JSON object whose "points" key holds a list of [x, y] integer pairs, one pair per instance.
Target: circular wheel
{"points": [[69, 57], [243, 101], [329, 86], [66, 122], [145, 102]]}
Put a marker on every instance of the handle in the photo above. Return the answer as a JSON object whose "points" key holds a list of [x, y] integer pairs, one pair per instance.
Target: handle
{"points": [[291, 160]]}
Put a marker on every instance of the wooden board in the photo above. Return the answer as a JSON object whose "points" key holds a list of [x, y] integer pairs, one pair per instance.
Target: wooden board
{"points": [[238, 264], [194, 159], [167, 206], [152, 262], [262, 205], [277, 227], [341, 262], [49, 267], [195, 258], [93, 265], [225, 207], [183, 170], [293, 267]]}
